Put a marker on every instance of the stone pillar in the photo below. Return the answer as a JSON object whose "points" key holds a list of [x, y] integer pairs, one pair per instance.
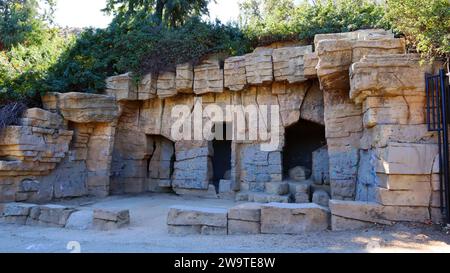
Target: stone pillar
{"points": [[398, 153], [99, 158]]}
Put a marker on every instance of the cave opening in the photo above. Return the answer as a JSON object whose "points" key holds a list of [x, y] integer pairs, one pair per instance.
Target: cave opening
{"points": [[221, 159], [302, 139]]}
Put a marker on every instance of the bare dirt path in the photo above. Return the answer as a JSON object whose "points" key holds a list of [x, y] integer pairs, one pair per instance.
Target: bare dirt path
{"points": [[148, 233]]}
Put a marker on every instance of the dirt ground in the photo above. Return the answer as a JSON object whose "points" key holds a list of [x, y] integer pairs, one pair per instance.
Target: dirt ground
{"points": [[148, 233]]}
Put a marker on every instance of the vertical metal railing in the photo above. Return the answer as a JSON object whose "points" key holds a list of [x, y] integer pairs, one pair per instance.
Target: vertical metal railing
{"points": [[438, 110]]}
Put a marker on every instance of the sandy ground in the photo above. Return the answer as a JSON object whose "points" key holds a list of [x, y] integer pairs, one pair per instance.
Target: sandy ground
{"points": [[148, 233]]}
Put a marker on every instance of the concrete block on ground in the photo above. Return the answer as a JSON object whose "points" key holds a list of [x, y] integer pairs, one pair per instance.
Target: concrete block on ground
{"points": [[111, 219], [192, 216], [279, 218]]}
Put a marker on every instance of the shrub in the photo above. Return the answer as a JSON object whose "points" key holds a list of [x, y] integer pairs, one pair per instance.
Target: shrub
{"points": [[140, 47], [425, 23]]}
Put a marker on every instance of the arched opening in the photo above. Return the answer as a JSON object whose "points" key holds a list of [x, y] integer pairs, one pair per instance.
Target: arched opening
{"points": [[302, 139]]}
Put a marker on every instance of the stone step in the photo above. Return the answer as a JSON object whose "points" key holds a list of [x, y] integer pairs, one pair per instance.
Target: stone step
{"points": [[277, 218]]}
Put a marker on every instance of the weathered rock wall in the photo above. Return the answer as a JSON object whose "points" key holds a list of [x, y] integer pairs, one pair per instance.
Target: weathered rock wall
{"points": [[63, 151], [381, 162]]}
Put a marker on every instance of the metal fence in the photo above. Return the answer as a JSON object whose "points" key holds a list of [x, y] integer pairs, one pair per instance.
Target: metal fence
{"points": [[438, 109]]}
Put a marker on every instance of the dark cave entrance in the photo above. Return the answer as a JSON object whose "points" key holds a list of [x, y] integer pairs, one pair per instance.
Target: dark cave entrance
{"points": [[221, 159], [302, 139]]}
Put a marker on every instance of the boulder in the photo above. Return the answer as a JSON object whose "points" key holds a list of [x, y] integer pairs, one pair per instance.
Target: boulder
{"points": [[54, 215], [299, 173], [321, 198], [111, 219], [81, 220]]}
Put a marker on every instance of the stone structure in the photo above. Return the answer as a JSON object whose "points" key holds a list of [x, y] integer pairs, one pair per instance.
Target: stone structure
{"points": [[353, 135]]}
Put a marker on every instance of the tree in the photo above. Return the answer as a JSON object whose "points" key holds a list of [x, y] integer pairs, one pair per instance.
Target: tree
{"points": [[425, 23], [23, 22], [163, 12]]}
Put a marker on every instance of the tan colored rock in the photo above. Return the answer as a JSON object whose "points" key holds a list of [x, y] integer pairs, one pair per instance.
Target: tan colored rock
{"points": [[290, 103], [293, 218], [380, 135], [166, 85], [335, 58], [288, 63], [37, 117], [185, 78], [249, 212], [82, 107], [361, 211], [150, 117], [259, 67], [342, 224], [380, 46], [121, 87], [147, 88], [313, 105], [191, 216], [381, 75], [208, 77], [236, 227], [54, 215], [32, 149], [403, 197], [311, 60], [365, 34], [214, 231], [419, 183], [110, 220], [184, 230], [235, 73], [406, 158]]}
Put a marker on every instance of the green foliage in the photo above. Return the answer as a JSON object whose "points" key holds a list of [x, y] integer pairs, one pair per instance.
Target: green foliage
{"points": [[21, 22], [140, 47], [164, 12], [273, 20], [425, 23], [30, 48]]}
